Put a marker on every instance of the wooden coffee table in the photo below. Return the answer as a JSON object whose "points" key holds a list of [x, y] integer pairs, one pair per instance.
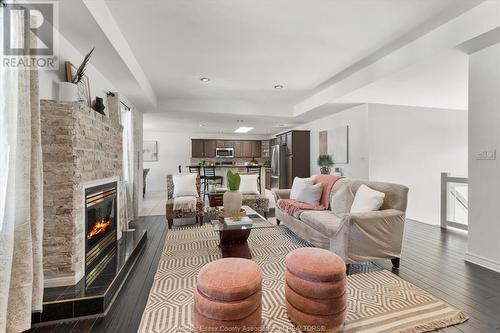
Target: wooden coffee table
{"points": [[233, 238]]}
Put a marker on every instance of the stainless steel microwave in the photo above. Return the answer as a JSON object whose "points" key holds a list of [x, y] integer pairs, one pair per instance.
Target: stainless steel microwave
{"points": [[224, 152]]}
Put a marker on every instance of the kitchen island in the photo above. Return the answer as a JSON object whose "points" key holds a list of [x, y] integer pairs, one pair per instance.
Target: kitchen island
{"points": [[235, 166]]}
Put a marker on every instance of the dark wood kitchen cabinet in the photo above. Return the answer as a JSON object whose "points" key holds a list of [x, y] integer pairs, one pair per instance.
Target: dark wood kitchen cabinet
{"points": [[237, 149], [256, 148], [225, 143], [289, 143], [246, 149], [209, 148], [242, 148], [197, 148], [265, 149], [282, 139]]}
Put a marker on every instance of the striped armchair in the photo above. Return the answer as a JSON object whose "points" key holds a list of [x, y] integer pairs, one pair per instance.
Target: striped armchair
{"points": [[179, 214]]}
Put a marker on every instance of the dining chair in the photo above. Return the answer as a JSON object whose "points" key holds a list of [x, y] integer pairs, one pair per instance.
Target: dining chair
{"points": [[209, 174], [255, 170]]}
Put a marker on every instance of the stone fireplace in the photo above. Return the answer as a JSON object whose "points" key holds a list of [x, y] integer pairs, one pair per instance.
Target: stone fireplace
{"points": [[82, 156]]}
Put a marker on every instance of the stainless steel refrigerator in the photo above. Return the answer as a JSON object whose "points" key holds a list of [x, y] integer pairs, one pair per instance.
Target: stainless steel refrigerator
{"points": [[278, 167]]}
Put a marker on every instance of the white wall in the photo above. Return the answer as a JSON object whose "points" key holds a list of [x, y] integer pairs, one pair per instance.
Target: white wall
{"points": [[401, 144], [484, 175], [174, 149], [356, 119], [412, 146]]}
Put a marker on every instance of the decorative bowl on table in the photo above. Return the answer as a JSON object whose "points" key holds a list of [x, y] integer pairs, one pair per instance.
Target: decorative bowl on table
{"points": [[222, 214]]}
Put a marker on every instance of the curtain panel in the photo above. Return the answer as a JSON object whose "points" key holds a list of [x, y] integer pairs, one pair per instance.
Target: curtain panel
{"points": [[21, 195]]}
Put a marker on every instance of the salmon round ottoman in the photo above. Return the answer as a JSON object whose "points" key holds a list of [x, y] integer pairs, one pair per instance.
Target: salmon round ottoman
{"points": [[228, 296], [316, 289]]}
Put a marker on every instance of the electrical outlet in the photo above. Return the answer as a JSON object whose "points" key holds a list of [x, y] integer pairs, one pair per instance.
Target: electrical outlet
{"points": [[489, 155]]}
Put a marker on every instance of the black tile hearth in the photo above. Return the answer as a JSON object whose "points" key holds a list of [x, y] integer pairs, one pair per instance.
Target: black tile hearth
{"points": [[80, 300]]}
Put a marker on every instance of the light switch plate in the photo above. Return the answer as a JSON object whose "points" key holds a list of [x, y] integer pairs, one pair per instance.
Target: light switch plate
{"points": [[488, 155]]}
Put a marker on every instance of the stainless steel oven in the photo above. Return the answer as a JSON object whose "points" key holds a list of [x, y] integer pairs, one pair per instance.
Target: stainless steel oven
{"points": [[224, 152]]}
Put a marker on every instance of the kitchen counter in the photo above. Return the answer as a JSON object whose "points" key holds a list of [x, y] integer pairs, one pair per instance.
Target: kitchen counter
{"points": [[236, 166]]}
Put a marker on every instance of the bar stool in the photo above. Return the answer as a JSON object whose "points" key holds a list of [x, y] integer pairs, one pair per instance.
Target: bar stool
{"points": [[255, 170], [209, 174]]}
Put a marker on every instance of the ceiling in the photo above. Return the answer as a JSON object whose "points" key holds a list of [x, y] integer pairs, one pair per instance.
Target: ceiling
{"points": [[247, 47], [215, 123]]}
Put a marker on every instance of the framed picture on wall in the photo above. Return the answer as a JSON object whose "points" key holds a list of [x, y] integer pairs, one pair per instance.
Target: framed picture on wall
{"points": [[83, 85], [150, 151]]}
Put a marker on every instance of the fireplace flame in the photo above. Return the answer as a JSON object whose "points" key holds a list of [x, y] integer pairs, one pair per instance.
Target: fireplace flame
{"points": [[98, 228]]}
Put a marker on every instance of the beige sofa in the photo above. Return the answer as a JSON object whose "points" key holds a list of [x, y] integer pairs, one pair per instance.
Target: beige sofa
{"points": [[357, 237]]}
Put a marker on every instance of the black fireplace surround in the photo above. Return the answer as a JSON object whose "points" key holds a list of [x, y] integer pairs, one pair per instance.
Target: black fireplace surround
{"points": [[101, 230]]}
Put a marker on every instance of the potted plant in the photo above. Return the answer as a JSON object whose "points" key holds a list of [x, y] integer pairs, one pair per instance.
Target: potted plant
{"points": [[325, 163], [232, 199], [68, 91], [212, 213], [267, 163], [211, 185]]}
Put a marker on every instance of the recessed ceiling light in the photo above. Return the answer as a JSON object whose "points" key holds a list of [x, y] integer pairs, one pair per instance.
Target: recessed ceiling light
{"points": [[243, 129], [278, 86], [202, 125], [205, 79]]}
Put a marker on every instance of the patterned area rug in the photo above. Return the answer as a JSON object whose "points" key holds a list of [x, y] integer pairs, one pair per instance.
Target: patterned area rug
{"points": [[378, 301]]}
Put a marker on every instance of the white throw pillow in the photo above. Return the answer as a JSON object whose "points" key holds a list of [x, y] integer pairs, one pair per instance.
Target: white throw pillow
{"points": [[367, 200], [298, 185], [311, 194], [185, 185], [341, 201], [249, 184]]}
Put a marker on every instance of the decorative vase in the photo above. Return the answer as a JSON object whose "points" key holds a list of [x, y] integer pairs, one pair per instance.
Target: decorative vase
{"points": [[211, 188], [99, 105], [68, 92], [232, 202], [325, 170]]}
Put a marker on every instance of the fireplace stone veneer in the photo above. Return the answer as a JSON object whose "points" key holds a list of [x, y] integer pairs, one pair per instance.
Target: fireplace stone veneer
{"points": [[80, 147]]}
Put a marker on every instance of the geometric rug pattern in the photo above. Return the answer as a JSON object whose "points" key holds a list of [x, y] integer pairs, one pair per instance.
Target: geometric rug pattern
{"points": [[378, 301]]}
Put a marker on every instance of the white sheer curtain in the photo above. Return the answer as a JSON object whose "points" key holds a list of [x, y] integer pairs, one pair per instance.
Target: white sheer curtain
{"points": [[128, 160], [21, 196]]}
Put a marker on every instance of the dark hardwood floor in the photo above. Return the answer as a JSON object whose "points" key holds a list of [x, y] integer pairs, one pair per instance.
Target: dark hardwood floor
{"points": [[432, 259]]}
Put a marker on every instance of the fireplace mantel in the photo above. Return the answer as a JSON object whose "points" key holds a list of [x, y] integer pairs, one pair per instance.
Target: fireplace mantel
{"points": [[80, 147]]}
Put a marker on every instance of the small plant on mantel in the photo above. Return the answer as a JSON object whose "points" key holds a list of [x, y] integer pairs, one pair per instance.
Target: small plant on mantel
{"points": [[80, 72], [68, 91]]}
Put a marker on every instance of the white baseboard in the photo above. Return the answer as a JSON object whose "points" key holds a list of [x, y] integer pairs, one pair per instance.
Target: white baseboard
{"points": [[482, 261], [62, 281]]}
